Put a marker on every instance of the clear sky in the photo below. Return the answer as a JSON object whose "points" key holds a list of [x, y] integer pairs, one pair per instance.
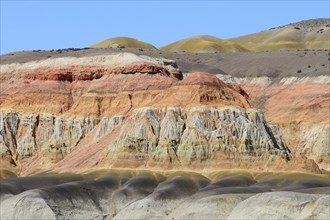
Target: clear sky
{"points": [[27, 25]]}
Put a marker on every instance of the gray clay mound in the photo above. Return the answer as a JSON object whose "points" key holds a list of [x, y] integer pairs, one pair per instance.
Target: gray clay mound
{"points": [[125, 194]]}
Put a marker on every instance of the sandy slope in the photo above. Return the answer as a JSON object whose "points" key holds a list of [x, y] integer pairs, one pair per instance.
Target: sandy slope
{"points": [[309, 34], [203, 44]]}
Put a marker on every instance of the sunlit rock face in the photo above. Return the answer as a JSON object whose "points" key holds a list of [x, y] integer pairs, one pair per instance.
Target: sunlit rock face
{"points": [[125, 110], [300, 107], [25, 134], [184, 136]]}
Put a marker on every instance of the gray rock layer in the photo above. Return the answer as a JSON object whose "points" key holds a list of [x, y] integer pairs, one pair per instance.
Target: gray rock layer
{"points": [[181, 135], [195, 134], [283, 205], [129, 194], [24, 134]]}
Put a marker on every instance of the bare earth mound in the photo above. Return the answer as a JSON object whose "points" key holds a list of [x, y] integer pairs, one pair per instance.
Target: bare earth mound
{"points": [[310, 34], [122, 42], [131, 194], [203, 44]]}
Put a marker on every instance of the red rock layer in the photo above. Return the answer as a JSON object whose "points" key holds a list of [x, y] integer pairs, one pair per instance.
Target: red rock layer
{"points": [[86, 72], [306, 102], [86, 92], [91, 90], [302, 111]]}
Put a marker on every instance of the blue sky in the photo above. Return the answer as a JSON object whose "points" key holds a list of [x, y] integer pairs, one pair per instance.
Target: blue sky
{"points": [[27, 25]]}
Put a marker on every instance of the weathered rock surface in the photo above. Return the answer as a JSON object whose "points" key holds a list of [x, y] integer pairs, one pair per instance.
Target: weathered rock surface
{"points": [[100, 108], [302, 114], [283, 205], [120, 109], [23, 135], [131, 194], [185, 136]]}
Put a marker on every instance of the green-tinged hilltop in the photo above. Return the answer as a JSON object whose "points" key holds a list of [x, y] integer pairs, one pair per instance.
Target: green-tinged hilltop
{"points": [[309, 34], [313, 34], [203, 44], [119, 42]]}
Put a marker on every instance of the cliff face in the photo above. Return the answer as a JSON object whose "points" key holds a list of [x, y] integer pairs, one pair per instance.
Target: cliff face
{"points": [[126, 110], [192, 135], [25, 134], [300, 107], [291, 88]]}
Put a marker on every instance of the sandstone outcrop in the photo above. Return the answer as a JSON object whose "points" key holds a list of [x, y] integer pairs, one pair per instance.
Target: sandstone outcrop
{"points": [[302, 114], [298, 103], [193, 135], [25, 134], [122, 133], [81, 112]]}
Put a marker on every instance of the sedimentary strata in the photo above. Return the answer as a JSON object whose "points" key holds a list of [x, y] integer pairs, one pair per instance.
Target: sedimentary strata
{"points": [[82, 112]]}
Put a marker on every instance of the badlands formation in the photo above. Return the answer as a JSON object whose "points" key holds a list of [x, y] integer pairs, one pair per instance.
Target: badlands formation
{"points": [[126, 133], [141, 194], [124, 110]]}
